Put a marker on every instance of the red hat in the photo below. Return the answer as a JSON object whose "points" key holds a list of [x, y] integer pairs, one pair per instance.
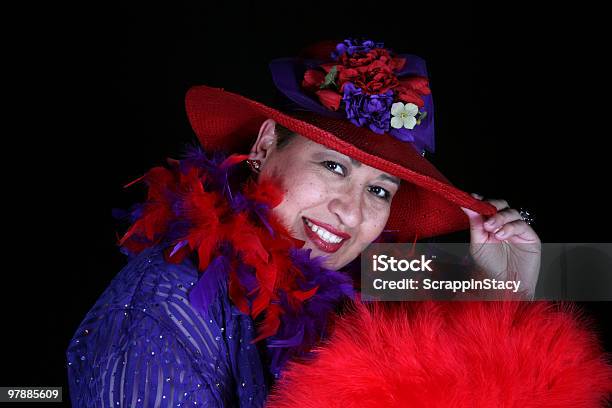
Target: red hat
{"points": [[426, 206]]}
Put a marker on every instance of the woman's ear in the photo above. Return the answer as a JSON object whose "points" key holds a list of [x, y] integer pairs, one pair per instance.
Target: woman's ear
{"points": [[265, 143]]}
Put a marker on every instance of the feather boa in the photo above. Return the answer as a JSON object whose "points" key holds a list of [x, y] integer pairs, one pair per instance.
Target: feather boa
{"points": [[194, 209], [453, 354]]}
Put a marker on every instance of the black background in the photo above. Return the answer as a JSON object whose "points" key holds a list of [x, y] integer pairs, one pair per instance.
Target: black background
{"points": [[97, 98]]}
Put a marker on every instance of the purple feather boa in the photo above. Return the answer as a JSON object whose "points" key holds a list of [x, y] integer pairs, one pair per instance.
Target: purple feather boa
{"points": [[304, 328]]}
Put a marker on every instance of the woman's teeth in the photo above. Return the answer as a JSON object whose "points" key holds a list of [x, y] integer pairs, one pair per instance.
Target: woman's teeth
{"points": [[324, 234]]}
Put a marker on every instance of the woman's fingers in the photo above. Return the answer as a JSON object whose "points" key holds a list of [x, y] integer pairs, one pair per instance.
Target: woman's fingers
{"points": [[478, 234], [507, 222], [498, 203], [501, 218], [476, 222], [517, 228]]}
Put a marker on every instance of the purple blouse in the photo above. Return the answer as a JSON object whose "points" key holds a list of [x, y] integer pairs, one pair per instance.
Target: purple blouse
{"points": [[144, 345]]}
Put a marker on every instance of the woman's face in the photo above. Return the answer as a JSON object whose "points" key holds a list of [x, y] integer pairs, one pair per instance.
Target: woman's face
{"points": [[337, 205]]}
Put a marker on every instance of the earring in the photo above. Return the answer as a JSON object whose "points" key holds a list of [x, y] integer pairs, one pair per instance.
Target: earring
{"points": [[255, 165]]}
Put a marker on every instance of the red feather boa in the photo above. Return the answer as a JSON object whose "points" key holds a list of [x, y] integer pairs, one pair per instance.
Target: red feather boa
{"points": [[181, 194], [453, 354]]}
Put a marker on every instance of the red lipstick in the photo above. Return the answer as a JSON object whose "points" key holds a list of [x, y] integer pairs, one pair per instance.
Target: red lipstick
{"points": [[320, 243]]}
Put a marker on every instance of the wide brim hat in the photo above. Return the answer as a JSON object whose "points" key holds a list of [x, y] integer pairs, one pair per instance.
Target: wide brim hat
{"points": [[426, 205]]}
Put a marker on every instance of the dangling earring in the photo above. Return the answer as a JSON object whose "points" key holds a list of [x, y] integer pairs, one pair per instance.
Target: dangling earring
{"points": [[255, 165]]}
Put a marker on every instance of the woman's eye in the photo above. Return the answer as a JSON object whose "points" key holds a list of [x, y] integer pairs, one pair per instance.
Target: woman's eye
{"points": [[335, 167], [380, 192]]}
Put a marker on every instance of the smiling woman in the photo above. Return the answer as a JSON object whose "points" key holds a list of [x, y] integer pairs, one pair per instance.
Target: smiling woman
{"points": [[331, 201], [236, 271]]}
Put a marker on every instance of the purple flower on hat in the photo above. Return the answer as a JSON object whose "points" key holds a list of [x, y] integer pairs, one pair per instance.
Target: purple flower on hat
{"points": [[351, 46], [372, 110]]}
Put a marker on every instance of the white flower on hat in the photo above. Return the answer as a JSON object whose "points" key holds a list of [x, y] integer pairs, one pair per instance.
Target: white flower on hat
{"points": [[404, 115]]}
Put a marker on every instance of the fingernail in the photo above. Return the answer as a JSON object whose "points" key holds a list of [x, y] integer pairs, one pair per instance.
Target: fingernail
{"points": [[478, 196], [500, 234], [490, 222]]}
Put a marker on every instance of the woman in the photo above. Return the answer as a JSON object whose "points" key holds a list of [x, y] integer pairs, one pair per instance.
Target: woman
{"points": [[231, 275]]}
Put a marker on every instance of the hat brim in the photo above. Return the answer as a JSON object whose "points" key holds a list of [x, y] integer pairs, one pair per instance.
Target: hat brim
{"points": [[426, 206]]}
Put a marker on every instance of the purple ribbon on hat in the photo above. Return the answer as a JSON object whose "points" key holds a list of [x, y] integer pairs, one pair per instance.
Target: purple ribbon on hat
{"points": [[361, 109]]}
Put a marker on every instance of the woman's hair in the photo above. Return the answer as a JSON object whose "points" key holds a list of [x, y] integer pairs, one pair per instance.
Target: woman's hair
{"points": [[283, 136]]}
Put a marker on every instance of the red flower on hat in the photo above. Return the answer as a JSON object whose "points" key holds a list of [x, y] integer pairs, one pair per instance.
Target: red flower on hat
{"points": [[378, 78], [372, 71], [411, 89], [330, 99], [313, 79], [360, 60]]}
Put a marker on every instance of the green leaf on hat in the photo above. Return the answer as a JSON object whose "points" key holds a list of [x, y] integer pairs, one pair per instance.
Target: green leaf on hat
{"points": [[422, 116], [330, 77]]}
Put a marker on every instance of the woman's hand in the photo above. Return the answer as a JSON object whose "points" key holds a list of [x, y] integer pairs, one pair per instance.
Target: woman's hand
{"points": [[504, 246]]}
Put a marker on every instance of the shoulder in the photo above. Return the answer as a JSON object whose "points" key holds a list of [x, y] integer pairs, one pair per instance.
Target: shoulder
{"points": [[145, 320], [147, 284], [148, 295]]}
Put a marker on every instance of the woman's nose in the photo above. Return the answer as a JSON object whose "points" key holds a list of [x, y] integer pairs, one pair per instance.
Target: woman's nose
{"points": [[348, 208]]}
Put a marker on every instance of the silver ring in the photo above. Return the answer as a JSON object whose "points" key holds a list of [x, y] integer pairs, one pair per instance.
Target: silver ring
{"points": [[526, 216]]}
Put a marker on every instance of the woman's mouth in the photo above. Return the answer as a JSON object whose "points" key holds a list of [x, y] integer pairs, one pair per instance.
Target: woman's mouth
{"points": [[322, 236]]}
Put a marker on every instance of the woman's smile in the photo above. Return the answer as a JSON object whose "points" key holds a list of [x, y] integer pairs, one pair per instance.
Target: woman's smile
{"points": [[324, 236]]}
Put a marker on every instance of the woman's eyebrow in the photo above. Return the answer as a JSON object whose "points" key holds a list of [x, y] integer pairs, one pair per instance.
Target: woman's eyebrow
{"points": [[357, 163], [354, 162], [392, 179]]}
